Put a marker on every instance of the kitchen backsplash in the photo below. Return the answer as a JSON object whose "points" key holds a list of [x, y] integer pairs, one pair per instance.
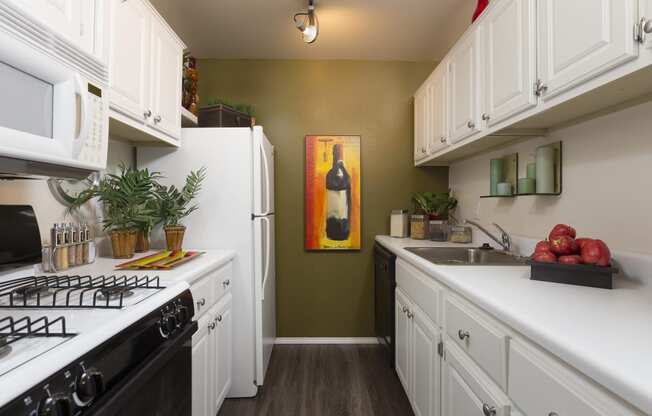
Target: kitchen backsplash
{"points": [[48, 210], [607, 166]]}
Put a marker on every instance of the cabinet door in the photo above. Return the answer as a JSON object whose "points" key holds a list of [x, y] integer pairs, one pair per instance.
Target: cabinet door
{"points": [[438, 109], [426, 366], [421, 123], [167, 62], [403, 336], [202, 403], [457, 397], [130, 58], [464, 87], [224, 339], [510, 54], [71, 19], [581, 39]]}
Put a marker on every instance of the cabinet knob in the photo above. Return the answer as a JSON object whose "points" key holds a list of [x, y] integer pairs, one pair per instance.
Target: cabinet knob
{"points": [[463, 334], [553, 414], [226, 283], [201, 303], [488, 410], [157, 119], [404, 309], [423, 150], [442, 139], [147, 113], [486, 117], [471, 124], [219, 318], [410, 315], [211, 325]]}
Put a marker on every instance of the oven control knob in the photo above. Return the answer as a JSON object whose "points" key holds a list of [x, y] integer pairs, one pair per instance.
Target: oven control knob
{"points": [[167, 325], [55, 405], [89, 385], [182, 315]]}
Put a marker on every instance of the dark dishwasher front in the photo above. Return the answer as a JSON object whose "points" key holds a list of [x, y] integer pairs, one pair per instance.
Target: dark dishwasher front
{"points": [[385, 299]]}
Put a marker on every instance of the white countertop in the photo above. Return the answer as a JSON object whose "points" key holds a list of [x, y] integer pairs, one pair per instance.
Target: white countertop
{"points": [[605, 334], [95, 326]]}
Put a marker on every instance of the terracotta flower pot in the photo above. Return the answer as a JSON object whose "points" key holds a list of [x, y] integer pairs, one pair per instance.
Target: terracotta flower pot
{"points": [[123, 243], [142, 242], [174, 237]]}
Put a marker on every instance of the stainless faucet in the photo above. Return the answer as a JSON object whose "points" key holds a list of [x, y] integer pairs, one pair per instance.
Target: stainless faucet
{"points": [[505, 240]]}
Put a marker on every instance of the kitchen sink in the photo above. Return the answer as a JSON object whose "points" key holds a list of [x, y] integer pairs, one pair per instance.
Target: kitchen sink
{"points": [[464, 256]]}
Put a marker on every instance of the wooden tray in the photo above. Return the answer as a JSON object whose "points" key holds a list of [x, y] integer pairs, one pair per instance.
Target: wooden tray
{"points": [[163, 260]]}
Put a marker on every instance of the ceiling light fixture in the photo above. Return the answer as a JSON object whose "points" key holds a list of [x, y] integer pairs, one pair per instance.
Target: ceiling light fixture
{"points": [[307, 23]]}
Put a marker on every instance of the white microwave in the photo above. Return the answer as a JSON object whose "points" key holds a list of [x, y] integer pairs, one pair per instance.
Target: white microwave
{"points": [[53, 122]]}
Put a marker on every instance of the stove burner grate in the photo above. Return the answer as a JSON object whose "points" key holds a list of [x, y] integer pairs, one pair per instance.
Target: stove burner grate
{"points": [[108, 292], [12, 330]]}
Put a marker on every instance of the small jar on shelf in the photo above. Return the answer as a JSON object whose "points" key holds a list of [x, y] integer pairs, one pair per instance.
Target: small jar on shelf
{"points": [[419, 227]]}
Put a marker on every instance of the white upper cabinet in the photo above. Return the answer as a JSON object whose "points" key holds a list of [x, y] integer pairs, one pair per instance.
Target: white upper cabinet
{"points": [[438, 111], [167, 61], [510, 59], [581, 39], [464, 87], [146, 74], [130, 58], [421, 123]]}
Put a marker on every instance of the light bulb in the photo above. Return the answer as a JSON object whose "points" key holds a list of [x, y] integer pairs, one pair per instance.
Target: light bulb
{"points": [[310, 34]]}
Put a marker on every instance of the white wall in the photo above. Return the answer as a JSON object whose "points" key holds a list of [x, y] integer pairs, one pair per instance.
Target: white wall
{"points": [[607, 183], [48, 210]]}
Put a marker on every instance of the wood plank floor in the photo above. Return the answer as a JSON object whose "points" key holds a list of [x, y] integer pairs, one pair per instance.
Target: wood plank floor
{"points": [[325, 380]]}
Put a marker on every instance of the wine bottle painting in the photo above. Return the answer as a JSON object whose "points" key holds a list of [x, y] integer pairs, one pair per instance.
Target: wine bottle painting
{"points": [[332, 193]]}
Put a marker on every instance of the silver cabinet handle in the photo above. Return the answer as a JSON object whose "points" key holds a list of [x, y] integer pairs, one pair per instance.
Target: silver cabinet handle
{"points": [[463, 334], [147, 113], [157, 119], [423, 150], [647, 25], [540, 88], [211, 325], [410, 315], [226, 283], [201, 303], [404, 309], [442, 139], [486, 117], [553, 414], [488, 410], [471, 124], [219, 318]]}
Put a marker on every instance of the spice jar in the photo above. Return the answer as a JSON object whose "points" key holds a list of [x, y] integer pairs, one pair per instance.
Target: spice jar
{"points": [[460, 234], [418, 227], [59, 248], [68, 238], [438, 230]]}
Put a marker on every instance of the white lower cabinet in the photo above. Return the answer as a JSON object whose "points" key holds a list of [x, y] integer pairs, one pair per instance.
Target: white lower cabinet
{"points": [[212, 350], [418, 363]]}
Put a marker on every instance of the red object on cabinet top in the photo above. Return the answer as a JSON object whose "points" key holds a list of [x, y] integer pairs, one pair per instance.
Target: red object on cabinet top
{"points": [[482, 4]]}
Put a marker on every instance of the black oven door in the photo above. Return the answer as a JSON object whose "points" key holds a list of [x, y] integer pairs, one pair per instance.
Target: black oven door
{"points": [[160, 386]]}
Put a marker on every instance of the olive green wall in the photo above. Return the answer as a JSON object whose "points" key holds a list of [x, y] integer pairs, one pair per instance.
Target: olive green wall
{"points": [[328, 294]]}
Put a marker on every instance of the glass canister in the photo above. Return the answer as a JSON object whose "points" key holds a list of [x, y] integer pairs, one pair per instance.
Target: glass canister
{"points": [[460, 234], [419, 227], [438, 230]]}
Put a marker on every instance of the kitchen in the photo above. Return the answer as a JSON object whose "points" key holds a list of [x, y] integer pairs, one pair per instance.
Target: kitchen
{"points": [[301, 168]]}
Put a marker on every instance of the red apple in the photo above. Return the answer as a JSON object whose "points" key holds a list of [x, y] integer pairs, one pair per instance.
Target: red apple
{"points": [[581, 241], [544, 257], [564, 246], [561, 230], [596, 252], [542, 247], [574, 259]]}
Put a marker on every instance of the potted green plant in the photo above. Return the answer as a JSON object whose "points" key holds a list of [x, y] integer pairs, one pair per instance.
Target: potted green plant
{"points": [[126, 200], [437, 205], [174, 204]]}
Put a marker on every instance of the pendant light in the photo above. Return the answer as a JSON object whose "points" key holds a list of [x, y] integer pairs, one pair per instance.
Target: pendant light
{"points": [[307, 23]]}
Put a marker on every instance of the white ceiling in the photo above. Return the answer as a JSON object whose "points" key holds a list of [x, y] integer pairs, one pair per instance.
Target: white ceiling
{"points": [[405, 30]]}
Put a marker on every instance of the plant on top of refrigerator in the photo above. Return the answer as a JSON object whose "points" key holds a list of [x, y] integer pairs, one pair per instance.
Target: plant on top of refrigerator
{"points": [[172, 204]]}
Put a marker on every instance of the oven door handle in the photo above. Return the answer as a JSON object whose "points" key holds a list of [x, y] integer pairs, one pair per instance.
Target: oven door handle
{"points": [[115, 399]]}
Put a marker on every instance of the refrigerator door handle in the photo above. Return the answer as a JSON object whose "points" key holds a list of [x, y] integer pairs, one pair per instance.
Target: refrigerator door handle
{"points": [[268, 252], [263, 156]]}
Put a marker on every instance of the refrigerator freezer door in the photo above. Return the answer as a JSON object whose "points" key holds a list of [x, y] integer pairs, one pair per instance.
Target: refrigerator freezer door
{"points": [[263, 175], [265, 284]]}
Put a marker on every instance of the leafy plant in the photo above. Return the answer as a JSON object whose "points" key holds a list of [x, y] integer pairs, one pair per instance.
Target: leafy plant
{"points": [[173, 204], [243, 108], [127, 199], [434, 203]]}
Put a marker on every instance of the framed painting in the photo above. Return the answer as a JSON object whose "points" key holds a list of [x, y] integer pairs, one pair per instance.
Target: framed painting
{"points": [[332, 194]]}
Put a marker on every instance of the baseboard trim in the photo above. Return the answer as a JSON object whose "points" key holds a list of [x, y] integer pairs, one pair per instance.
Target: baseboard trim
{"points": [[325, 341]]}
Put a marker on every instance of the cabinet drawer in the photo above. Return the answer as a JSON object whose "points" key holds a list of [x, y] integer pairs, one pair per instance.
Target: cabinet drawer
{"points": [[223, 281], [467, 390], [479, 336], [541, 385], [423, 290], [204, 294]]}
